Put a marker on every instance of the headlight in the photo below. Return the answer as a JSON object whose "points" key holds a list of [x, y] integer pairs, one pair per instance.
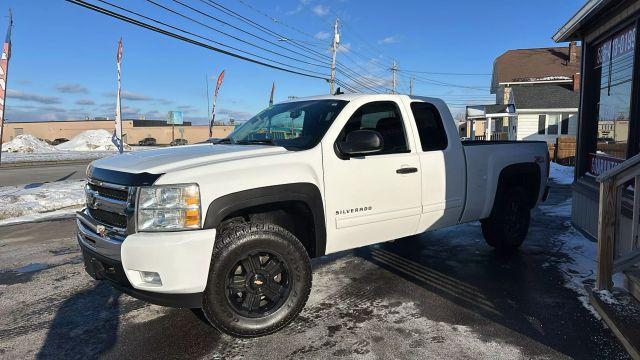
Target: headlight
{"points": [[168, 207]]}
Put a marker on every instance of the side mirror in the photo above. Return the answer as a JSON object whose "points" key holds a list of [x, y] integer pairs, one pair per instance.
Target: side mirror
{"points": [[361, 142]]}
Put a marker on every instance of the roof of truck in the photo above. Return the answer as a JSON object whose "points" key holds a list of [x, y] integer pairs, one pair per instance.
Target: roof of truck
{"points": [[352, 96]]}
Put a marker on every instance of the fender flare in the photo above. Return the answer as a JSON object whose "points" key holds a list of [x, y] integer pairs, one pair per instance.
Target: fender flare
{"points": [[307, 193]]}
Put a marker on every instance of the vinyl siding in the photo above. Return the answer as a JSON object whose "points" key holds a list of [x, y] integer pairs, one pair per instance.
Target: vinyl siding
{"points": [[528, 128]]}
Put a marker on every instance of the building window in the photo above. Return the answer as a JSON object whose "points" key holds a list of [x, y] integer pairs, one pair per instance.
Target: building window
{"points": [[564, 129], [552, 124], [613, 73], [542, 124]]}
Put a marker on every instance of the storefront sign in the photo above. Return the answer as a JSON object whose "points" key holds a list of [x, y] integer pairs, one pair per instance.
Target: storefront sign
{"points": [[621, 44], [600, 163]]}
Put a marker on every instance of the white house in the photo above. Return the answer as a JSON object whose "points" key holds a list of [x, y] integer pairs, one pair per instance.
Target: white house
{"points": [[545, 111], [544, 86]]}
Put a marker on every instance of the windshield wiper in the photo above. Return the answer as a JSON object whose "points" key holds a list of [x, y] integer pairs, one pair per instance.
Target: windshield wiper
{"points": [[256, 141], [223, 141]]}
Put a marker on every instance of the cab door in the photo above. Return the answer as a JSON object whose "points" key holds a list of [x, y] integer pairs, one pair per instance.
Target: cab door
{"points": [[443, 164], [372, 198]]}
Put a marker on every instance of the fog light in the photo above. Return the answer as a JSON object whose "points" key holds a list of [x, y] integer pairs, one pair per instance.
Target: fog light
{"points": [[150, 277]]}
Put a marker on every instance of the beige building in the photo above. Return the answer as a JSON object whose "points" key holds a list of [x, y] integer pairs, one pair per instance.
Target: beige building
{"points": [[134, 130]]}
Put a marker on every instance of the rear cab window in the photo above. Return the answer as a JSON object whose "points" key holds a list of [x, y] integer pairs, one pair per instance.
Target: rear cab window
{"points": [[433, 136]]}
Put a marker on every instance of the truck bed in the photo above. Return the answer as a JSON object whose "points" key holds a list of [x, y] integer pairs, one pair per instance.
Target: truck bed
{"points": [[485, 160]]}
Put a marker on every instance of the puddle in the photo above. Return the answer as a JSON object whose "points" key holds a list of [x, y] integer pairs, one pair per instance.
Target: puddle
{"points": [[31, 268], [22, 274]]}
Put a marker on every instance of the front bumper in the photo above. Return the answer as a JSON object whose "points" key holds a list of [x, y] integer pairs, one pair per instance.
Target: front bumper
{"points": [[102, 268], [181, 259]]}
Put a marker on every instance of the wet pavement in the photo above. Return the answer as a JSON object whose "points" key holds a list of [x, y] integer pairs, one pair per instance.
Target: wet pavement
{"points": [[443, 294]]}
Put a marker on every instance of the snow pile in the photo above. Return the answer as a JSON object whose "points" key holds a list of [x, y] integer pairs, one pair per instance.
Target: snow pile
{"points": [[562, 175], [91, 140], [27, 143], [62, 197]]}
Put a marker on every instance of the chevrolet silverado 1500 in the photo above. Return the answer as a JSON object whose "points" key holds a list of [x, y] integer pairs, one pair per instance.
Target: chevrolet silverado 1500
{"points": [[229, 226]]}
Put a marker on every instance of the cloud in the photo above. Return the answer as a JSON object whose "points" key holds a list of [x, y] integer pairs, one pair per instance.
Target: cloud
{"points": [[188, 109], [85, 102], [388, 40], [300, 7], [238, 115], [343, 48], [322, 35], [71, 89], [320, 10], [31, 97], [43, 113], [127, 95]]}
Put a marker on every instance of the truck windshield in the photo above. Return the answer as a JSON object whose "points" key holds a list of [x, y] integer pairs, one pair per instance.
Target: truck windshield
{"points": [[297, 125]]}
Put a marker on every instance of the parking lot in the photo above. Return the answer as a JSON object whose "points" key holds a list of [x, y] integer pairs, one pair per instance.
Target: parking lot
{"points": [[440, 295]]}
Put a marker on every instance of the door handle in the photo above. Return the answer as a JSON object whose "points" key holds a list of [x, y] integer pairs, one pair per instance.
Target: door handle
{"points": [[406, 170]]}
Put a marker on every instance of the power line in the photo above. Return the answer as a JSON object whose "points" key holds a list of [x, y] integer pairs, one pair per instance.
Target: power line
{"points": [[230, 35], [262, 28], [445, 73], [277, 21], [186, 39]]}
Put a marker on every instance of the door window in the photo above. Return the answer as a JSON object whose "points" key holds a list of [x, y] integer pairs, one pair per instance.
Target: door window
{"points": [[383, 117], [430, 128]]}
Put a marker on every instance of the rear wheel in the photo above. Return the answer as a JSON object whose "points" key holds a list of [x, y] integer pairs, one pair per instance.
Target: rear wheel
{"points": [[508, 225], [259, 280]]}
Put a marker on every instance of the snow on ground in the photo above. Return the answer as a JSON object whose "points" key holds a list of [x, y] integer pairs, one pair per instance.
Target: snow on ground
{"points": [[27, 143], [36, 201], [12, 158], [91, 140], [562, 175], [579, 269]]}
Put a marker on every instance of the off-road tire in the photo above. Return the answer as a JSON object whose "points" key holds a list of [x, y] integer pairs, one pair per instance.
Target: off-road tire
{"points": [[237, 242], [507, 226]]}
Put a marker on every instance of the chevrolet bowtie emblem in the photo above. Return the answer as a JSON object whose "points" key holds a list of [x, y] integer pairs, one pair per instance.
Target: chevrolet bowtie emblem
{"points": [[101, 230], [258, 282]]}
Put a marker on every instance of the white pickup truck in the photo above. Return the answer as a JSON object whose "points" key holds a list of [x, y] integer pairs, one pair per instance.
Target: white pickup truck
{"points": [[229, 226]]}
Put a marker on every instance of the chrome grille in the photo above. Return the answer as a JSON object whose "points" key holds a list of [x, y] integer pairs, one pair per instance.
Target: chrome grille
{"points": [[107, 203]]}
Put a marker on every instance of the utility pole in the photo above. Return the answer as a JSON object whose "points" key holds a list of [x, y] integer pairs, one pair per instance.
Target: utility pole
{"points": [[394, 69], [411, 86], [334, 51]]}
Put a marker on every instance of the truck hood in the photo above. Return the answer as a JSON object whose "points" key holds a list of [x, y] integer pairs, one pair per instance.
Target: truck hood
{"points": [[160, 161]]}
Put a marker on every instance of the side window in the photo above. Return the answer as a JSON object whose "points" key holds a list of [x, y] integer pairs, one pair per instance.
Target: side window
{"points": [[542, 124], [385, 118], [430, 128]]}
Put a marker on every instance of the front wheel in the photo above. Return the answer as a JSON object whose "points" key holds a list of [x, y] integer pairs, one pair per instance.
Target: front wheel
{"points": [[508, 225], [259, 280]]}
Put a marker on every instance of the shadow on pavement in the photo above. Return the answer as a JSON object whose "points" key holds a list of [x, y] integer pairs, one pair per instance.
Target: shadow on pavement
{"points": [[85, 325], [522, 292]]}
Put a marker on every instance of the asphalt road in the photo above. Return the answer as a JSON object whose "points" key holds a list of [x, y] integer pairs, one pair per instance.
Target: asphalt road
{"points": [[42, 173], [441, 295]]}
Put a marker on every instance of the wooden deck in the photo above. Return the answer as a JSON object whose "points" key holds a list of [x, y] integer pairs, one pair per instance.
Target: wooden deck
{"points": [[622, 316], [619, 252]]}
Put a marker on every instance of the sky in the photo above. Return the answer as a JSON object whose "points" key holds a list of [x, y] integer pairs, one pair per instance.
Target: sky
{"points": [[63, 56]]}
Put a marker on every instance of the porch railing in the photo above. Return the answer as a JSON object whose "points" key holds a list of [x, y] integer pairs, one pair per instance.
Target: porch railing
{"points": [[618, 249]]}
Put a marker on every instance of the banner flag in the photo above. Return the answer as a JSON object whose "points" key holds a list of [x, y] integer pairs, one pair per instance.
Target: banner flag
{"points": [[273, 90], [4, 70], [117, 133], [213, 108]]}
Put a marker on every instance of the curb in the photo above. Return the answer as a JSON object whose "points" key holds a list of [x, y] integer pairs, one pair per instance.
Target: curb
{"points": [[45, 163]]}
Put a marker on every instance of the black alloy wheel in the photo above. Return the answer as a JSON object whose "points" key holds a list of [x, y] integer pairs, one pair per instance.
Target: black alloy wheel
{"points": [[258, 284]]}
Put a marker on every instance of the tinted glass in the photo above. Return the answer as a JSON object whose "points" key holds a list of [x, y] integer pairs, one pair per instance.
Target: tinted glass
{"points": [[614, 73], [385, 118], [295, 125], [430, 127]]}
